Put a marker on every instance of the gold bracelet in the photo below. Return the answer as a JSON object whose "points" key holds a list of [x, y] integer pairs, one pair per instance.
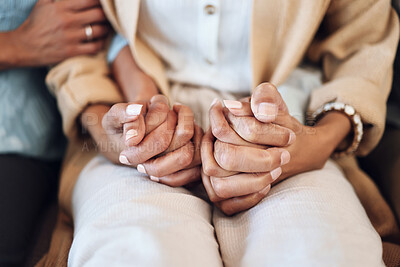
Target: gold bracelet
{"points": [[354, 117]]}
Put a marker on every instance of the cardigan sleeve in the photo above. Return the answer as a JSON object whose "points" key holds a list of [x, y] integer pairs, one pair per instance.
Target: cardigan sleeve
{"points": [[79, 82], [356, 46]]}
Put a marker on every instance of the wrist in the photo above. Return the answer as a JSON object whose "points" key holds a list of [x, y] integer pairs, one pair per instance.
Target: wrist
{"points": [[91, 120], [11, 55], [142, 88], [334, 130]]}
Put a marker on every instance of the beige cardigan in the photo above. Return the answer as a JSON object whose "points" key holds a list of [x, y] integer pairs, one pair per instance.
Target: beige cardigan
{"points": [[354, 40]]}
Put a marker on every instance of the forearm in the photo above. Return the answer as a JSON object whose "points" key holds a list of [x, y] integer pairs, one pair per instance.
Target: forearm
{"points": [[134, 83]]}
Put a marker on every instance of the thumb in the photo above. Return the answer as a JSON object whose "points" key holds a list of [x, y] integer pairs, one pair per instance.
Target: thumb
{"points": [[266, 103], [122, 113]]}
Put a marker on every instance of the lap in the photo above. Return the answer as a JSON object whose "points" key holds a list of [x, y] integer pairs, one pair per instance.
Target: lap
{"points": [[311, 219], [125, 217]]}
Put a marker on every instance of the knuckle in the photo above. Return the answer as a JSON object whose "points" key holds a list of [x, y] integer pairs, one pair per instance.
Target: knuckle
{"points": [[115, 110], [251, 134], [209, 170], [185, 158], [184, 134], [268, 158], [220, 132]]}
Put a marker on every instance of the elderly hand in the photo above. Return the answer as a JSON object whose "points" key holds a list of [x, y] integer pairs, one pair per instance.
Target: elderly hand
{"points": [[313, 146], [243, 155], [55, 30], [163, 143], [248, 124]]}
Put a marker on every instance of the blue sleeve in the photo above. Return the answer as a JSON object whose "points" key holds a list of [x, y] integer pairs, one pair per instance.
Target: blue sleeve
{"points": [[117, 43]]}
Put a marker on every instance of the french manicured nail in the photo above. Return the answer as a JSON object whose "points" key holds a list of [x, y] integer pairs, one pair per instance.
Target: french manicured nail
{"points": [[265, 190], [292, 138], [141, 168], [154, 179], [285, 157], [133, 109], [214, 101], [178, 104], [233, 104], [276, 173], [268, 110], [124, 160], [130, 134]]}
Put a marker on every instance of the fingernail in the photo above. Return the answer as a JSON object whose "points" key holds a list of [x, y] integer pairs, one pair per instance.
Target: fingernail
{"points": [[285, 157], [232, 104], [265, 190], [131, 133], [141, 168], [124, 160], [292, 138], [133, 109], [268, 110], [178, 104], [276, 173], [154, 179], [214, 101]]}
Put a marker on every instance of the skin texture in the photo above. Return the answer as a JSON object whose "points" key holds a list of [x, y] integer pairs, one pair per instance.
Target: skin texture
{"points": [[236, 174], [161, 142], [53, 32], [251, 144]]}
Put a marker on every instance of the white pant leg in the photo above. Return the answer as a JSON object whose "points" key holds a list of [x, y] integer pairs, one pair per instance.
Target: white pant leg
{"points": [[123, 219], [312, 219]]}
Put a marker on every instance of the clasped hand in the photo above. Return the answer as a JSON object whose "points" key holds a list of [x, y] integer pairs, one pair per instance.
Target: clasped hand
{"points": [[158, 141], [251, 144], [244, 149]]}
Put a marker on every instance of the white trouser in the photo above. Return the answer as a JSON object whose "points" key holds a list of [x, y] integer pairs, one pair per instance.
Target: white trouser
{"points": [[124, 219]]}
